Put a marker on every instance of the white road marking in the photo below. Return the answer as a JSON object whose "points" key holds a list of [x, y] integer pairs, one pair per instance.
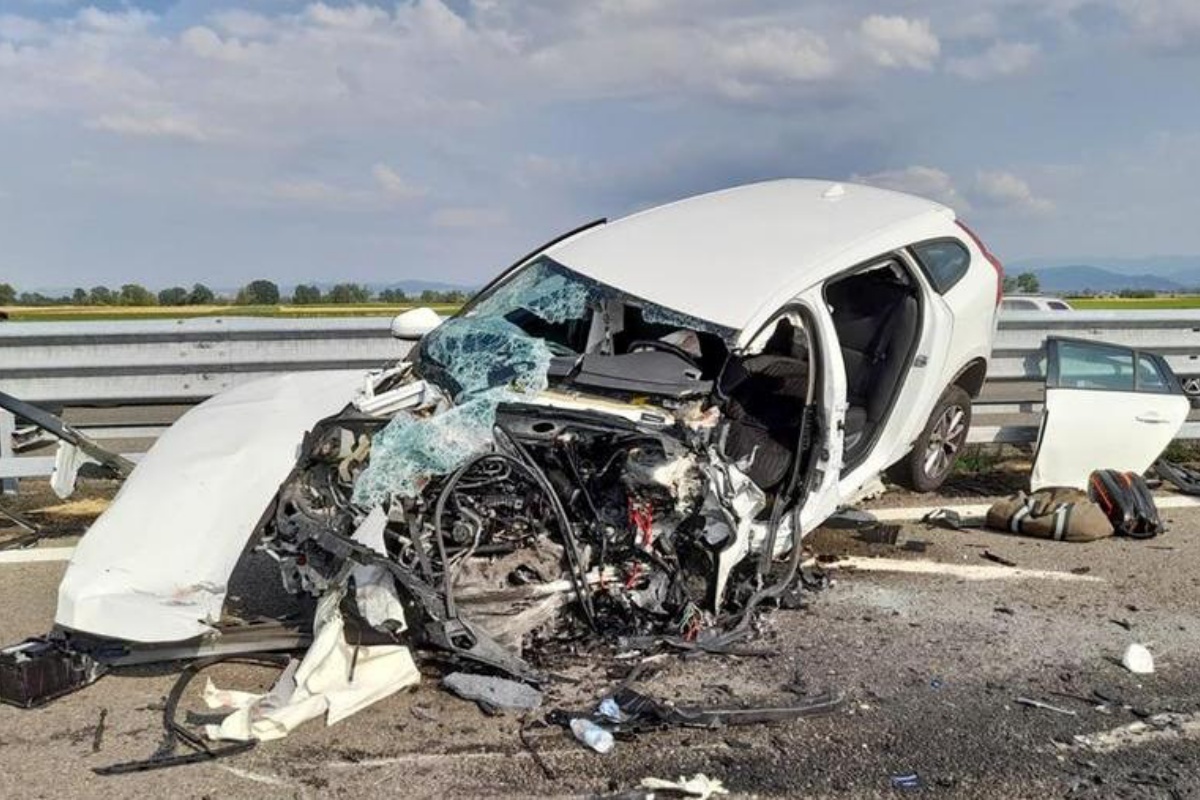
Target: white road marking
{"points": [[901, 514], [910, 513], [35, 554], [258, 777], [970, 572]]}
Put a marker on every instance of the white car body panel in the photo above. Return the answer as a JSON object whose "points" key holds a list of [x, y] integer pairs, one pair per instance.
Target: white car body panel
{"points": [[737, 269], [1088, 429], [154, 567]]}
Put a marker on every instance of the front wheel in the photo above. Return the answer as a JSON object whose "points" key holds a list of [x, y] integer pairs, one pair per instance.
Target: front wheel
{"points": [[937, 448]]}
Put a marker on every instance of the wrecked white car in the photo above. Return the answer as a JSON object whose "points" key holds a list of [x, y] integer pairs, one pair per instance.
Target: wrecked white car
{"points": [[625, 435]]}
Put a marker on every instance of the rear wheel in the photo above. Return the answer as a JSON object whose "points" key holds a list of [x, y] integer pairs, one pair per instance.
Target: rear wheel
{"points": [[937, 448]]}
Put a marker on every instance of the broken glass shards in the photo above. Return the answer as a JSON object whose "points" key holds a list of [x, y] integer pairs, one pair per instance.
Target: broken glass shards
{"points": [[544, 289], [481, 353], [666, 316], [492, 361]]}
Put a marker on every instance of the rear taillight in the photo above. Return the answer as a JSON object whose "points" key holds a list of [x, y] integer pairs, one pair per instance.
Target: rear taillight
{"points": [[991, 259]]}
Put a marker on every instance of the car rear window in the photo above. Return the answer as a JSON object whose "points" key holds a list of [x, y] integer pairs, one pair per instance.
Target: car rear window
{"points": [[945, 262], [1019, 305]]}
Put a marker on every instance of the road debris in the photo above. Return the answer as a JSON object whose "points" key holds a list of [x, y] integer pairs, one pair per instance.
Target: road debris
{"points": [[1138, 660], [592, 735], [1001, 560], [1152, 730], [98, 736], [699, 785], [493, 691], [907, 782], [1026, 701]]}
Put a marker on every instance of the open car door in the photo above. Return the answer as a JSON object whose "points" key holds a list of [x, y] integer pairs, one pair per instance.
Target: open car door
{"points": [[1107, 407]]}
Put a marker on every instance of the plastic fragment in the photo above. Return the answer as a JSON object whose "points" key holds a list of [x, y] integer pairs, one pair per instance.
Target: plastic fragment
{"points": [[592, 735], [699, 785], [907, 782], [496, 692], [1137, 659], [610, 710]]}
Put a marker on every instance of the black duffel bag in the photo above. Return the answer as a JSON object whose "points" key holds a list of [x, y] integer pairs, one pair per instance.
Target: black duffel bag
{"points": [[1126, 501]]}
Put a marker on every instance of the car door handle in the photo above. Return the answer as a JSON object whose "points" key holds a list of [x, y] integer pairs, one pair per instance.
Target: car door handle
{"points": [[1152, 417]]}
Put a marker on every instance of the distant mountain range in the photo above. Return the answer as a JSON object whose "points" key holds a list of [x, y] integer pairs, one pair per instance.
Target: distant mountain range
{"points": [[1064, 276]]}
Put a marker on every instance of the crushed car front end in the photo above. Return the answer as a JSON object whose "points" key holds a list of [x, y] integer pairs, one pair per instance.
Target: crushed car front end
{"points": [[560, 461]]}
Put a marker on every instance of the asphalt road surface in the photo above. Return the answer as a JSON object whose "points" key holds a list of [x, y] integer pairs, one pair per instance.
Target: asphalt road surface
{"points": [[931, 651]]}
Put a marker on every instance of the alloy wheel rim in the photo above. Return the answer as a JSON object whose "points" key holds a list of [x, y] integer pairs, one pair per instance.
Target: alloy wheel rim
{"points": [[944, 441]]}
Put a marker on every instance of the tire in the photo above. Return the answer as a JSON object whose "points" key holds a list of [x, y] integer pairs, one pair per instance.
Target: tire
{"points": [[933, 455]]}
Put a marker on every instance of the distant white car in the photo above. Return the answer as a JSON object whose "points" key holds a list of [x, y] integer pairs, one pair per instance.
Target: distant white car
{"points": [[1034, 302]]}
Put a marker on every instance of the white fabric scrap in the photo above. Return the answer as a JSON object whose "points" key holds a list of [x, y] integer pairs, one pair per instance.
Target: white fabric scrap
{"points": [[699, 785], [67, 460], [319, 684], [374, 587]]}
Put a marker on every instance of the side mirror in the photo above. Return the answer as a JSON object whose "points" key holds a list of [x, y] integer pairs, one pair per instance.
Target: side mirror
{"points": [[411, 325]]}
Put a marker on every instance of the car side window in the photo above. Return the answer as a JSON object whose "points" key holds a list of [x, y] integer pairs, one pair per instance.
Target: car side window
{"points": [[1083, 365], [1150, 377], [1092, 365], [1058, 305], [945, 262]]}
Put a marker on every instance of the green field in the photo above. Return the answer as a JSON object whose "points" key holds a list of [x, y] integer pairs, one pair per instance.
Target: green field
{"points": [[1129, 304], [81, 313], [72, 313]]}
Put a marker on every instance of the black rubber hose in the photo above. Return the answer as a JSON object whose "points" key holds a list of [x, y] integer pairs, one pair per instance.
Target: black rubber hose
{"points": [[579, 577], [202, 750]]}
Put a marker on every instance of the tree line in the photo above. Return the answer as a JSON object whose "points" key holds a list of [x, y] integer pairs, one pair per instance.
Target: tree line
{"points": [[255, 293]]}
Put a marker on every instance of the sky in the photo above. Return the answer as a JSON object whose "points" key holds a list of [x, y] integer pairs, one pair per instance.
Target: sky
{"points": [[167, 142]]}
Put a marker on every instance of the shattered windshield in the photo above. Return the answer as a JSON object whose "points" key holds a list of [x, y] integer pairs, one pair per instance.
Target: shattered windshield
{"points": [[499, 350], [543, 310]]}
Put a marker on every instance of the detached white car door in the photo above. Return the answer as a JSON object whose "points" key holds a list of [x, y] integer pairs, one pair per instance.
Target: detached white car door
{"points": [[1107, 407]]}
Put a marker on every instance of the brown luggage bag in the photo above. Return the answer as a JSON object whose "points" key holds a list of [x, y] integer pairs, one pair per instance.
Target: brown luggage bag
{"points": [[1066, 515]]}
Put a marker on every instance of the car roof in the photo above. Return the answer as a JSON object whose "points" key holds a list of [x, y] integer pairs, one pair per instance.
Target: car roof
{"points": [[721, 256]]}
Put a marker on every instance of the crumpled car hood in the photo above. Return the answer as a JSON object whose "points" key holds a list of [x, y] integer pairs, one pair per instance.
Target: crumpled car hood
{"points": [[210, 476]]}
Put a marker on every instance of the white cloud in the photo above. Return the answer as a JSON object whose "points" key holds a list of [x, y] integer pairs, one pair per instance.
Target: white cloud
{"points": [[160, 126], [1169, 25], [897, 42], [929, 182], [356, 17], [1007, 191], [394, 185], [128, 22], [204, 42], [777, 54], [1001, 59], [468, 217], [16, 28], [240, 22]]}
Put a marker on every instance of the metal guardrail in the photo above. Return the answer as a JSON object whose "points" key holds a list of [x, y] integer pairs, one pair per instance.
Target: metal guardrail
{"points": [[141, 364]]}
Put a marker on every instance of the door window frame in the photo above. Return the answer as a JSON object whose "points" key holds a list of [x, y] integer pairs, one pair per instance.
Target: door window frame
{"points": [[1054, 367]]}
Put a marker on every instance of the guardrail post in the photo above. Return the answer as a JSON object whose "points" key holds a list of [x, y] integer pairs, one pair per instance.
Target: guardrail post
{"points": [[8, 426]]}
